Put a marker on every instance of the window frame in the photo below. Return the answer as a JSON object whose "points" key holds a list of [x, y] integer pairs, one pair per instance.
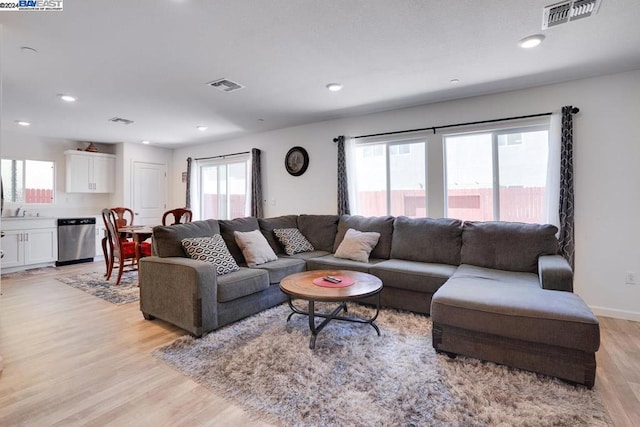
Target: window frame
{"points": [[387, 144], [217, 162], [23, 183], [495, 133]]}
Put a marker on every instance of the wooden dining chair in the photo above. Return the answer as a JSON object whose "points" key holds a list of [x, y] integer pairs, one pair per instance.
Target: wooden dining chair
{"points": [[124, 216], [119, 250], [180, 215]]}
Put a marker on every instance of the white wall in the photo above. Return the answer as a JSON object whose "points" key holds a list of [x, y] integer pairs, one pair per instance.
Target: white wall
{"points": [[607, 177], [129, 153]]}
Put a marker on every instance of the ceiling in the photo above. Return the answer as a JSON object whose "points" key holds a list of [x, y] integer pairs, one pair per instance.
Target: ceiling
{"points": [[149, 61]]}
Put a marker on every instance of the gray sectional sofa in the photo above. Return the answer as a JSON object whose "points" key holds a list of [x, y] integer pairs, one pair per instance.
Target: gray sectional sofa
{"points": [[497, 291]]}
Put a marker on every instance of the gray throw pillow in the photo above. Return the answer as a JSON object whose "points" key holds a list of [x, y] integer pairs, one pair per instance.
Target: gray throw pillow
{"points": [[292, 240], [212, 250], [254, 247], [357, 245]]}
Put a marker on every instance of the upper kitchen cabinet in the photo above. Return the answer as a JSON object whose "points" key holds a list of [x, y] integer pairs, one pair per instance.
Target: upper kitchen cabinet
{"points": [[90, 172]]}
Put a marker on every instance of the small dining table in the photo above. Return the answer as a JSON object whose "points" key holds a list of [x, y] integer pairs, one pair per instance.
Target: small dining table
{"points": [[140, 233]]}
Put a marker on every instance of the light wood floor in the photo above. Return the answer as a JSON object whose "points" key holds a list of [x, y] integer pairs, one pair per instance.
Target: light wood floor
{"points": [[74, 359]]}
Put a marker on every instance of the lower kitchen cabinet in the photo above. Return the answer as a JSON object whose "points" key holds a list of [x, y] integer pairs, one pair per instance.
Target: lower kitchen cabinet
{"points": [[28, 247]]}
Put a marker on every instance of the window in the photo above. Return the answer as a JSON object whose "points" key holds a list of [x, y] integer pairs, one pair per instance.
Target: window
{"points": [[390, 178], [497, 175], [28, 181], [223, 186]]}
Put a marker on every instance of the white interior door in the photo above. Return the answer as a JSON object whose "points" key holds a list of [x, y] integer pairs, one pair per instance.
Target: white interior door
{"points": [[149, 192]]}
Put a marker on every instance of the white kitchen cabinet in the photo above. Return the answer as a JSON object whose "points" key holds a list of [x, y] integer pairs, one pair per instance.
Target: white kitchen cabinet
{"points": [[90, 172], [28, 243], [100, 234]]}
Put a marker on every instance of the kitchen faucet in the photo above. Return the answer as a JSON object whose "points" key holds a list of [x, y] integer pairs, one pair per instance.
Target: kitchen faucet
{"points": [[18, 211]]}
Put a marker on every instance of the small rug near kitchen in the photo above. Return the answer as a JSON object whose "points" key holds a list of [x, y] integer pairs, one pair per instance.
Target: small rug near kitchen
{"points": [[355, 378], [95, 284]]}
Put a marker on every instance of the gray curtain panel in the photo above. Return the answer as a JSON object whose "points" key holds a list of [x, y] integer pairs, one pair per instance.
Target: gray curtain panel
{"points": [[188, 195], [343, 187], [256, 184], [566, 238]]}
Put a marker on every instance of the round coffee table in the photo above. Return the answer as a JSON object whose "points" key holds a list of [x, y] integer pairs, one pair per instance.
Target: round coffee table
{"points": [[301, 286]]}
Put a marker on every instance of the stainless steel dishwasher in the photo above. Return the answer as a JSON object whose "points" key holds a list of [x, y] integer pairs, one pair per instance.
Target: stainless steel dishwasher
{"points": [[76, 240]]}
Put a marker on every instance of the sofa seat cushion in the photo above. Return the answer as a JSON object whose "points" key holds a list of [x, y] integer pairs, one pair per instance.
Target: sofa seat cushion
{"points": [[513, 278], [412, 275], [283, 267], [517, 309], [307, 255], [241, 283], [329, 262]]}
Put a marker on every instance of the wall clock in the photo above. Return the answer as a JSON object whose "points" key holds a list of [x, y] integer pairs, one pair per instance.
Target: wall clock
{"points": [[296, 161]]}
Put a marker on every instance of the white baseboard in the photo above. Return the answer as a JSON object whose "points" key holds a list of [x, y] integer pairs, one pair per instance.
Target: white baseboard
{"points": [[616, 314]]}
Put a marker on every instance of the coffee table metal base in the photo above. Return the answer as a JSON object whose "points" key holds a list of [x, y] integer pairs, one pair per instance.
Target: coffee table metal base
{"points": [[315, 329]]}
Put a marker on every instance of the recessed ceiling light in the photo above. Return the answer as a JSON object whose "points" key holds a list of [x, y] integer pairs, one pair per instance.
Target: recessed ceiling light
{"points": [[531, 41], [22, 123], [67, 98], [145, 142], [454, 81], [334, 87], [202, 128]]}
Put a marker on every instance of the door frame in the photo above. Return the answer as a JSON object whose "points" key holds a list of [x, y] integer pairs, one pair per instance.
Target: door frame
{"points": [[133, 182]]}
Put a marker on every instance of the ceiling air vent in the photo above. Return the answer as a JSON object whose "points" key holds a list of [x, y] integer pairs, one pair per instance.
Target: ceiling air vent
{"points": [[225, 85], [120, 120], [566, 11]]}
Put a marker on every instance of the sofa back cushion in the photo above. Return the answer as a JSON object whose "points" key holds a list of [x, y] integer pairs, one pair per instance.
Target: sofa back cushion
{"points": [[167, 239], [379, 224], [320, 230], [227, 229], [267, 225], [427, 240], [511, 246]]}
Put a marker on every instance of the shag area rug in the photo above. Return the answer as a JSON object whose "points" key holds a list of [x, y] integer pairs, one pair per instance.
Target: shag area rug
{"points": [[95, 284], [356, 378]]}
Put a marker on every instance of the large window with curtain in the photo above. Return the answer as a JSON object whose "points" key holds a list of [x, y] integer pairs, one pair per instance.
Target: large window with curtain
{"points": [[389, 178], [497, 174], [222, 189]]}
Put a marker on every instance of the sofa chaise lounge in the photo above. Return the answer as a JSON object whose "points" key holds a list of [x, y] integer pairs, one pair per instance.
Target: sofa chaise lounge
{"points": [[496, 291]]}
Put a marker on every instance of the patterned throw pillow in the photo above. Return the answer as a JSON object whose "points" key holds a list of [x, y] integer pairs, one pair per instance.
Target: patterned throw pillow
{"points": [[213, 250], [293, 240]]}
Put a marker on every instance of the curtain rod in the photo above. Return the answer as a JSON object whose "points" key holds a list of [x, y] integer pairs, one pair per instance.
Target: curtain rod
{"points": [[223, 156], [575, 110]]}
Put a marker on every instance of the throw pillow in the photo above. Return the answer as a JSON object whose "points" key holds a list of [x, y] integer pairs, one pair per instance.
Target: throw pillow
{"points": [[213, 250], [254, 247], [357, 245], [293, 240]]}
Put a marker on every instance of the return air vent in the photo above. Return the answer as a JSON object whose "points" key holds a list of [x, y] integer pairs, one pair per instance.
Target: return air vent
{"points": [[563, 12], [120, 120], [225, 85]]}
